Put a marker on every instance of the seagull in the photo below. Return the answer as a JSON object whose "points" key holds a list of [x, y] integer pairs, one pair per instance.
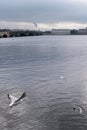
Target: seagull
{"points": [[77, 108], [35, 24], [14, 100], [61, 77]]}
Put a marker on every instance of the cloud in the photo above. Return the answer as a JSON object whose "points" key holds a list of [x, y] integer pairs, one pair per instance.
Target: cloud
{"points": [[41, 26], [46, 12]]}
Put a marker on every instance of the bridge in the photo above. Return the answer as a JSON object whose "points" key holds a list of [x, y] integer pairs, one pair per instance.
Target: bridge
{"points": [[4, 34]]}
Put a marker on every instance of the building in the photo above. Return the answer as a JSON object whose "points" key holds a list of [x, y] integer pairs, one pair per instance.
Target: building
{"points": [[83, 31], [60, 31]]}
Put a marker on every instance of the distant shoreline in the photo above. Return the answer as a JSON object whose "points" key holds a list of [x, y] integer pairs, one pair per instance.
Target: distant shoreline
{"points": [[6, 33]]}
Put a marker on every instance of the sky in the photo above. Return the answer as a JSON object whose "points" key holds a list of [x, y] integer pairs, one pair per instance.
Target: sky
{"points": [[48, 14]]}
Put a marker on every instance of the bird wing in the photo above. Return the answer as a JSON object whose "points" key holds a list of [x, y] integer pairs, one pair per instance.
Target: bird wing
{"points": [[80, 109], [12, 98], [22, 96], [8, 97]]}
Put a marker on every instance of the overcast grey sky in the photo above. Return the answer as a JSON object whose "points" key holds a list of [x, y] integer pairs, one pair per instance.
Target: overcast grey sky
{"points": [[46, 13]]}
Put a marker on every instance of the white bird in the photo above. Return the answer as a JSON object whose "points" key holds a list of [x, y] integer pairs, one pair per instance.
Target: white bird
{"points": [[61, 77], [15, 100], [77, 108]]}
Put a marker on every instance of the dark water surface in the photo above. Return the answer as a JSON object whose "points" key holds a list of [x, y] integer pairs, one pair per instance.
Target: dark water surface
{"points": [[53, 72]]}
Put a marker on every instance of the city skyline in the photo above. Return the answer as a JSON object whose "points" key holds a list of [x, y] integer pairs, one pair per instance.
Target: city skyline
{"points": [[22, 14]]}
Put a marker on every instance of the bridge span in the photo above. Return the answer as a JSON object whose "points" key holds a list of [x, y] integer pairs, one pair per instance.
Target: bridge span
{"points": [[4, 34]]}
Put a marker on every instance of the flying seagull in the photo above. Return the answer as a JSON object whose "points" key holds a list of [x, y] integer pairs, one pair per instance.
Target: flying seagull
{"points": [[15, 100], [35, 24]]}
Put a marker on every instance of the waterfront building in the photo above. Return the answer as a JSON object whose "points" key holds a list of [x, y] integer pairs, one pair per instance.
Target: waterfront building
{"points": [[83, 31], [60, 31]]}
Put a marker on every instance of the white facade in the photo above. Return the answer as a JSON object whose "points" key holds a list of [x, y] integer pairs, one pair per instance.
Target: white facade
{"points": [[60, 31]]}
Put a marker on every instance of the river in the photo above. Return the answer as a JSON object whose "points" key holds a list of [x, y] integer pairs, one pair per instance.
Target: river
{"points": [[52, 70]]}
